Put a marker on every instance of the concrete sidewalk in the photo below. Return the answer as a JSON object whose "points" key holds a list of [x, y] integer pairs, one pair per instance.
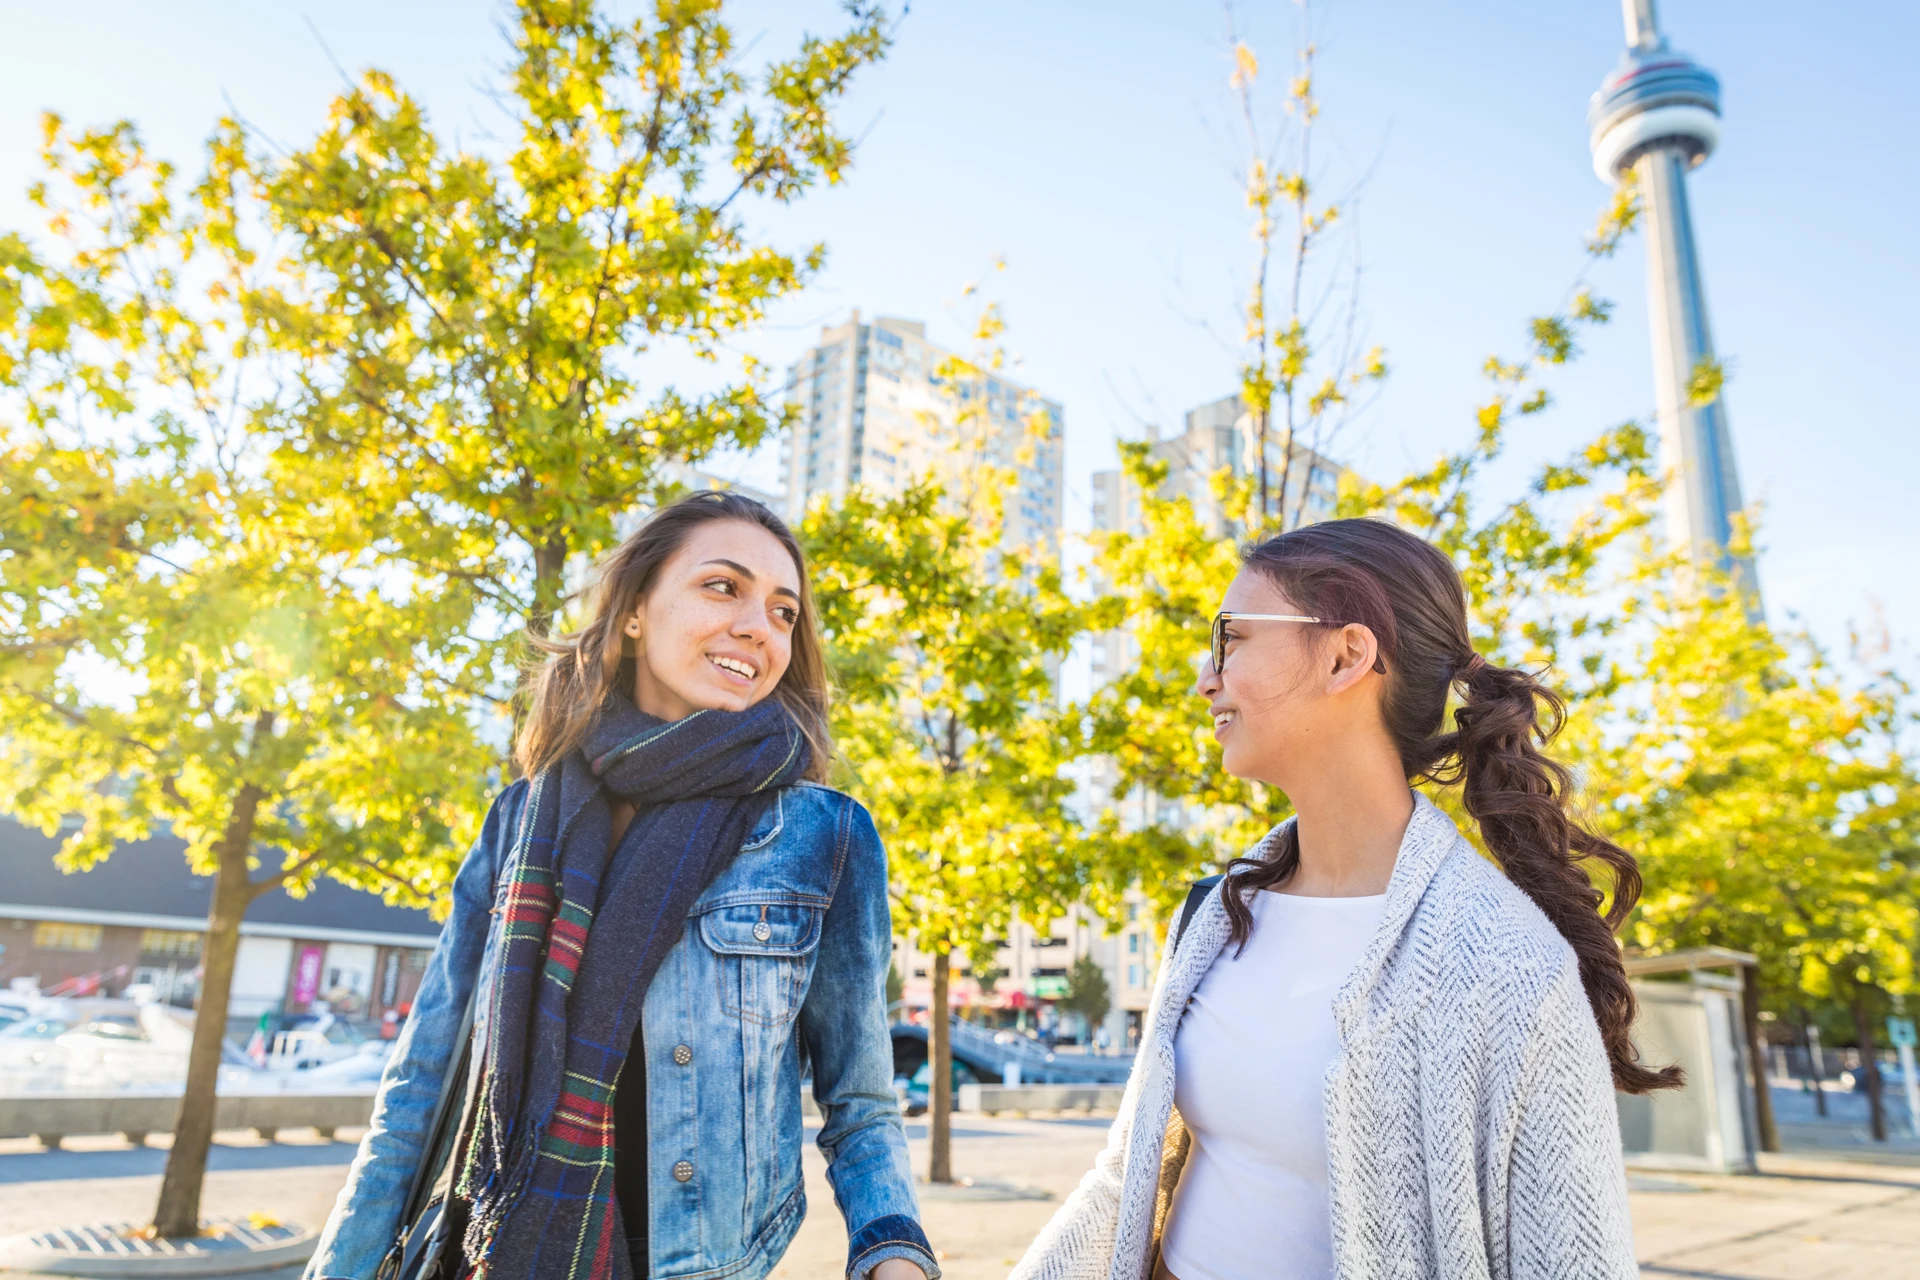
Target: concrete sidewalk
{"points": [[1801, 1219]]}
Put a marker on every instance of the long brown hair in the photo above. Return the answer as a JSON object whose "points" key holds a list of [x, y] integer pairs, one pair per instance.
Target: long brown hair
{"points": [[1409, 594], [583, 669]]}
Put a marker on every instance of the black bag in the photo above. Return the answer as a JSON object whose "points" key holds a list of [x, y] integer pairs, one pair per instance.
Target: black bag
{"points": [[1195, 896], [435, 1219]]}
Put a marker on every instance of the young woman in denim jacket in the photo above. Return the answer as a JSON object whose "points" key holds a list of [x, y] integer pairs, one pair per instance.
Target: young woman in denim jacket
{"points": [[692, 1165]]}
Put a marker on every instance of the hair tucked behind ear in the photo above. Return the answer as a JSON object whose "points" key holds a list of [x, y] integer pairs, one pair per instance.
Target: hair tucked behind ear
{"points": [[1409, 595], [581, 670]]}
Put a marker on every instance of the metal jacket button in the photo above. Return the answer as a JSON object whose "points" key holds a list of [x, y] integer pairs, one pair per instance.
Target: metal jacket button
{"points": [[762, 931], [683, 1171], [682, 1055]]}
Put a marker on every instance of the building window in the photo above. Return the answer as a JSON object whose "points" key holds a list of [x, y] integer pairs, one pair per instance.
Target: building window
{"points": [[1133, 944], [1133, 975], [57, 935], [169, 942]]}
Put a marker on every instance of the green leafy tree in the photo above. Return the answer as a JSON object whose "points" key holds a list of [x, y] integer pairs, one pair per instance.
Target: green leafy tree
{"points": [[945, 642], [1787, 828], [1534, 568], [1299, 390], [469, 332], [1087, 993], [176, 654], [292, 465]]}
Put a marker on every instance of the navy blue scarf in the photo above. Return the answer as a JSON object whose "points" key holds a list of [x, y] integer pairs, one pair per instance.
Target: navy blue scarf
{"points": [[567, 995]]}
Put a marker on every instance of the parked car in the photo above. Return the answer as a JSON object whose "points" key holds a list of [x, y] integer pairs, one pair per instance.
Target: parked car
{"points": [[363, 1067], [1891, 1077], [309, 1040], [120, 1048], [31, 1056], [919, 1087]]}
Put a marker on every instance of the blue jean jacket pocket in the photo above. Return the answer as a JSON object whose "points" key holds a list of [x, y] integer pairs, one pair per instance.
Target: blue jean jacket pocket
{"points": [[761, 949]]}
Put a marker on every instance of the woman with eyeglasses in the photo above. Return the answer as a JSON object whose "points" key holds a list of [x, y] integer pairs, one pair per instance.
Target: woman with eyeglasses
{"points": [[1372, 1051]]}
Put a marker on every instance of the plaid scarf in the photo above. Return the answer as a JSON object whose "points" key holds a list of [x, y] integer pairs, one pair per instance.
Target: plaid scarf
{"points": [[567, 996]]}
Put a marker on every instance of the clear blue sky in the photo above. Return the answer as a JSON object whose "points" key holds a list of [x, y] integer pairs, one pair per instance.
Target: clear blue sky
{"points": [[1092, 145]]}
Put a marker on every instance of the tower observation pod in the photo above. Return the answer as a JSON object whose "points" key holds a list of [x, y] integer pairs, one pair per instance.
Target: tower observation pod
{"points": [[1655, 117]]}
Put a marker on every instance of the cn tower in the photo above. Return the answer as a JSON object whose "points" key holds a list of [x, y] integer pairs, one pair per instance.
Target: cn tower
{"points": [[1655, 117]]}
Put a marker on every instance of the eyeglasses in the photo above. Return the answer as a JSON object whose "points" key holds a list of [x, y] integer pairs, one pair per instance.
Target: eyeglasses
{"points": [[1220, 621]]}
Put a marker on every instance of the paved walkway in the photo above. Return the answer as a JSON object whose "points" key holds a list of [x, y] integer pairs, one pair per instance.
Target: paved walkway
{"points": [[1804, 1218]]}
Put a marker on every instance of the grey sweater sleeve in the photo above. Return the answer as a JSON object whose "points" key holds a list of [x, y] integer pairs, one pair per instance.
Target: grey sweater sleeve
{"points": [[1567, 1211]]}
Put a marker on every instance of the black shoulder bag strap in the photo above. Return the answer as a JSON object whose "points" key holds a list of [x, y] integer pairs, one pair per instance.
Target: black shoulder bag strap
{"points": [[431, 1220], [434, 1216], [1195, 896]]}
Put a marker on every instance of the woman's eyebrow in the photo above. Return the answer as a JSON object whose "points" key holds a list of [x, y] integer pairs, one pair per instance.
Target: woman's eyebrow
{"points": [[751, 576]]}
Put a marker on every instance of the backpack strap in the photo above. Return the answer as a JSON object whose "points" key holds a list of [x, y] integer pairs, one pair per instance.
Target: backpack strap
{"points": [[1195, 896]]}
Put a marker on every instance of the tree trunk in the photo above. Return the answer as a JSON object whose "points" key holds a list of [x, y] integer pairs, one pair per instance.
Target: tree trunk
{"points": [[940, 1066], [1870, 1064], [1757, 1050], [178, 1213], [1263, 419], [549, 583], [1816, 1064]]}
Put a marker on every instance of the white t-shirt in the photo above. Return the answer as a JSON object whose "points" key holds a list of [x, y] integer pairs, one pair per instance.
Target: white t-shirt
{"points": [[1250, 1066]]}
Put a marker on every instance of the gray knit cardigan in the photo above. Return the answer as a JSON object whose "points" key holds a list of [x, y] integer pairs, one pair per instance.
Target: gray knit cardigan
{"points": [[1471, 1128]]}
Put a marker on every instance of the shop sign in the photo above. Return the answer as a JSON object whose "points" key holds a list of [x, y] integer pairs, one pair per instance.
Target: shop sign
{"points": [[306, 973]]}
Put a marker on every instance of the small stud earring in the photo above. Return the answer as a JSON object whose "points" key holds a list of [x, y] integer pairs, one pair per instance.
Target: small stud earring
{"points": [[633, 627]]}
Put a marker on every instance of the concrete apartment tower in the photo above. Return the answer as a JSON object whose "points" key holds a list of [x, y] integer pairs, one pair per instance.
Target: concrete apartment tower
{"points": [[1655, 117], [1218, 436], [873, 412]]}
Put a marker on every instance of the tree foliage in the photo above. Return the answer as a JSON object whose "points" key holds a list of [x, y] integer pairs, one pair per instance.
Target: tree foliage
{"points": [[1087, 993], [470, 331], [945, 641], [1301, 381], [294, 458], [1765, 793], [183, 652], [1534, 567]]}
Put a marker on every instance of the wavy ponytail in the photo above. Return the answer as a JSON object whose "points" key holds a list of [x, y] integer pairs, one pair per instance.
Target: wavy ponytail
{"points": [[1408, 593]]}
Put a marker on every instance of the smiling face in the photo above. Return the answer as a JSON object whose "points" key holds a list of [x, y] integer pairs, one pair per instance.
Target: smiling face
{"points": [[1289, 688], [715, 632]]}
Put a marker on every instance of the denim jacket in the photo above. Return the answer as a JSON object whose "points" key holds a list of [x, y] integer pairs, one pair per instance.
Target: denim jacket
{"points": [[724, 1024]]}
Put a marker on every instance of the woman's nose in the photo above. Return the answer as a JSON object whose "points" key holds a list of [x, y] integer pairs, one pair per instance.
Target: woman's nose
{"points": [[751, 622], [1208, 682]]}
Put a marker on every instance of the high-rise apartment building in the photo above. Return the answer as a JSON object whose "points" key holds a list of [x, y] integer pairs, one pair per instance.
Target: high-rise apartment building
{"points": [[874, 411], [1220, 436]]}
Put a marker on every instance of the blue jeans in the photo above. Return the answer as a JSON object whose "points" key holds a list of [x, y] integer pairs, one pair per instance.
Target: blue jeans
{"points": [[725, 1020]]}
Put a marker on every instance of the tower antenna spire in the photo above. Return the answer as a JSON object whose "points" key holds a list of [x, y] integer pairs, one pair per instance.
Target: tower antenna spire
{"points": [[1643, 24]]}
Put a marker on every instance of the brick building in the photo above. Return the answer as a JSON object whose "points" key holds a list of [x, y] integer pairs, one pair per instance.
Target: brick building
{"points": [[139, 918]]}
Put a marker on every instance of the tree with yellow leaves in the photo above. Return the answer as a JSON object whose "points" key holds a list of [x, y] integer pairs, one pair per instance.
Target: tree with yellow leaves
{"points": [[1766, 796], [945, 642], [294, 464], [1534, 568]]}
